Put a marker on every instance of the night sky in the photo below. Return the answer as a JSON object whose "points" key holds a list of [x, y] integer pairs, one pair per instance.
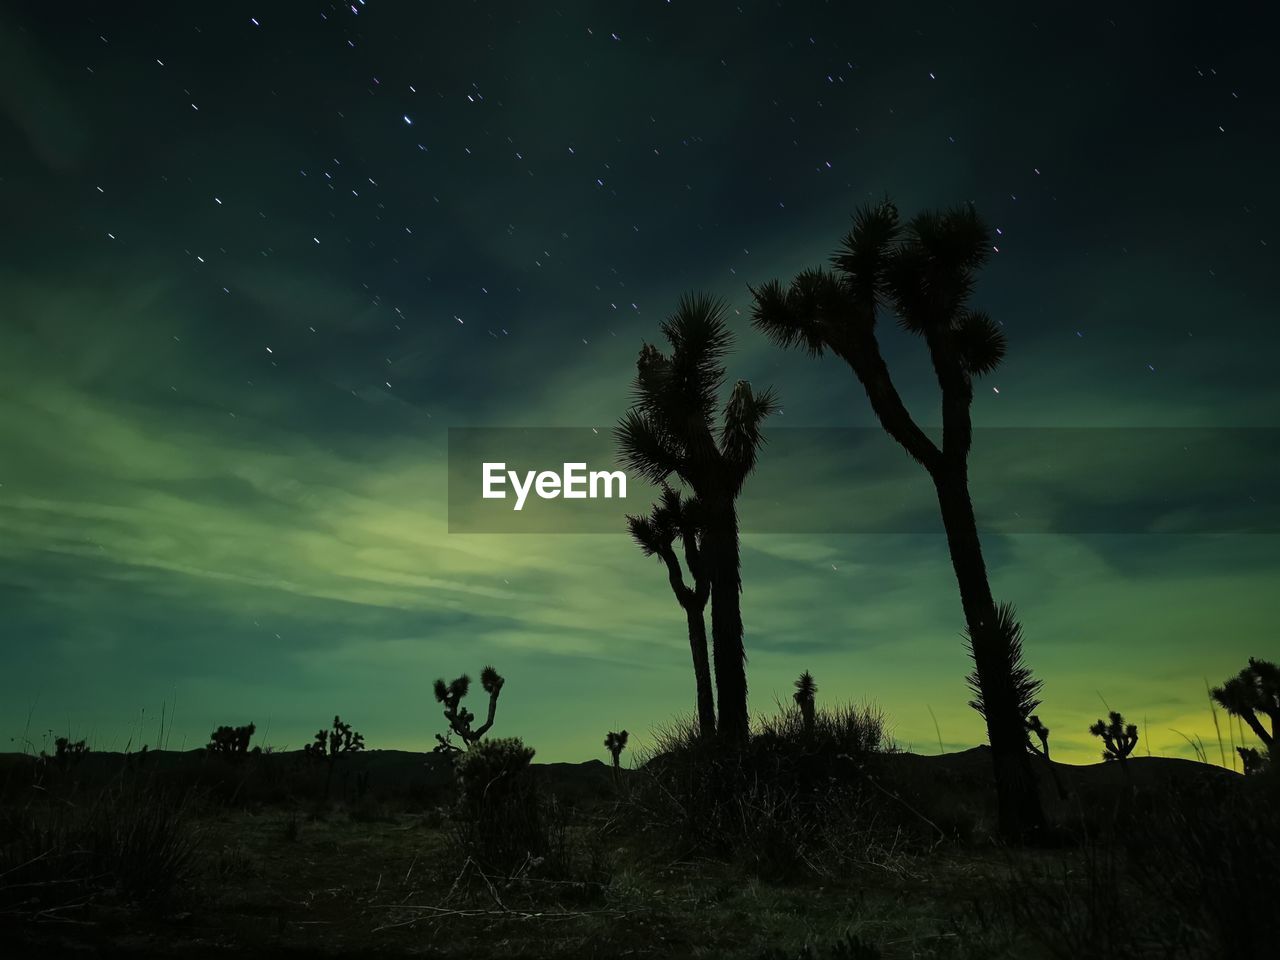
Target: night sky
{"points": [[259, 258]]}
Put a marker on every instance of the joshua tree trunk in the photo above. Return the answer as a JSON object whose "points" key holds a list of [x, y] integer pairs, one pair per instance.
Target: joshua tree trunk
{"points": [[726, 624], [806, 714], [701, 671], [1020, 812]]}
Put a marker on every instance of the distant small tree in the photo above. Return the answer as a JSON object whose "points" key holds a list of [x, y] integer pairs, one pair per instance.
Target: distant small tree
{"points": [[1253, 693], [331, 744], [231, 741], [806, 689], [1118, 738], [615, 743], [66, 751], [459, 717], [1041, 732], [1036, 728]]}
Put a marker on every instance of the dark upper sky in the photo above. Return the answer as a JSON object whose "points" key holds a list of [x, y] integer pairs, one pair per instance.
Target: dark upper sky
{"points": [[258, 257]]}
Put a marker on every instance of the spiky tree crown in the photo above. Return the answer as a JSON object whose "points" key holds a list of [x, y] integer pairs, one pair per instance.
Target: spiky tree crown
{"points": [[491, 681], [1256, 687], [616, 742], [806, 688], [670, 428], [923, 270], [999, 648]]}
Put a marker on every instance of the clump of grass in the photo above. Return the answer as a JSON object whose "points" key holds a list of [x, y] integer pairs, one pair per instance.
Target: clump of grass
{"points": [[133, 841], [796, 798], [849, 947]]}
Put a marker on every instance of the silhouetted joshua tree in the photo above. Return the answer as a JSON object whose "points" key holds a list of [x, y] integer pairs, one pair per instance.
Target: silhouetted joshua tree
{"points": [[806, 689], [231, 741], [67, 752], [1254, 690], [674, 518], [671, 430], [1118, 738], [924, 272], [615, 743], [459, 717], [329, 745]]}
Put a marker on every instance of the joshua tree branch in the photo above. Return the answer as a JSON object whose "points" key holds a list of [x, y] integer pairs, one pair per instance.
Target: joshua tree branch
{"points": [[676, 576], [864, 357], [1256, 726]]}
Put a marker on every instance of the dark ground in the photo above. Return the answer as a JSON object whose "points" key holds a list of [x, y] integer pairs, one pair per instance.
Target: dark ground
{"points": [[379, 869]]}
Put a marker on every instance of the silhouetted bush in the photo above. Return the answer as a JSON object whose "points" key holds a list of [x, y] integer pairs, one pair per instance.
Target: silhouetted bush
{"points": [[499, 813], [789, 801], [230, 741]]}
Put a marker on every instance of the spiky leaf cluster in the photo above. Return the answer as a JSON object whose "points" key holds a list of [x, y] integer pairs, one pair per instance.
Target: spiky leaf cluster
{"points": [[806, 688], [997, 655], [615, 743]]}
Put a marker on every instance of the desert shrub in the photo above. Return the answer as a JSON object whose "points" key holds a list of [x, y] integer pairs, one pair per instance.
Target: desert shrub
{"points": [[133, 840], [796, 798], [1189, 872], [500, 815], [1082, 906], [1210, 856]]}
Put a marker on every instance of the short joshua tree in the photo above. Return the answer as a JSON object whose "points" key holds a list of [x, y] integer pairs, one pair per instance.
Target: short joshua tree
{"points": [[615, 743], [806, 688], [1041, 732], [330, 744], [1036, 728], [66, 751], [231, 741], [459, 717], [1118, 738]]}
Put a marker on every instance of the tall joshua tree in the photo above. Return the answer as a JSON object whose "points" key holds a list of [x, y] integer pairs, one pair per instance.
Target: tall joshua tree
{"points": [[671, 430], [924, 271], [672, 518]]}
